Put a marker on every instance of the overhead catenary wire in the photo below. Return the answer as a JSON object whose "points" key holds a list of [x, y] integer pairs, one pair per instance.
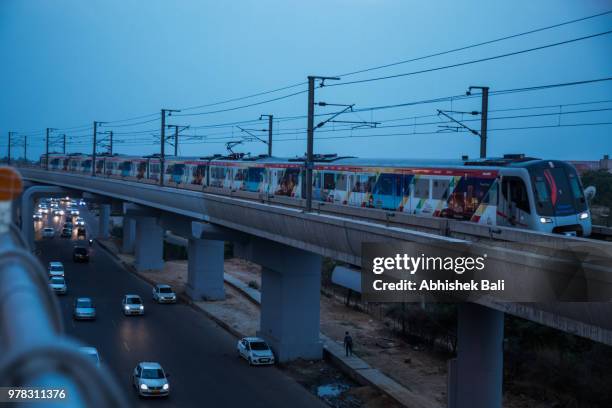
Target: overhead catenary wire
{"points": [[475, 45], [378, 67], [471, 62]]}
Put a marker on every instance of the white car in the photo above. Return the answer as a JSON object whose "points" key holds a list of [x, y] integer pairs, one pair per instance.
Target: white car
{"points": [[43, 209], [57, 213], [58, 285], [79, 222], [92, 354], [132, 305], [56, 269], [74, 212], [84, 309], [163, 294], [48, 232], [37, 216], [150, 380], [255, 350], [82, 202]]}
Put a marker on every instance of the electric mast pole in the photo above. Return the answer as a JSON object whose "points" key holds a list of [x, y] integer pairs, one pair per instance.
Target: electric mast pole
{"points": [[310, 137], [484, 111]]}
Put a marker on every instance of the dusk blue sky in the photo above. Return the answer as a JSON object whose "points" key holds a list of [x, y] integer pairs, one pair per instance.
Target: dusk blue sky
{"points": [[66, 63]]}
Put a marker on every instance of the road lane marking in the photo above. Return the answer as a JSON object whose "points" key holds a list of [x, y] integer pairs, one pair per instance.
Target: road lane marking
{"points": [[127, 348]]}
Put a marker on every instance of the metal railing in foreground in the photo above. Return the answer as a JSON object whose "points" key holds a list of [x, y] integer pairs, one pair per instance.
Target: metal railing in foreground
{"points": [[34, 353]]}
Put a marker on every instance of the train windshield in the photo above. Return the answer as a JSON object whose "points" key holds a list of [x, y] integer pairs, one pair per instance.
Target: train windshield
{"points": [[557, 191]]}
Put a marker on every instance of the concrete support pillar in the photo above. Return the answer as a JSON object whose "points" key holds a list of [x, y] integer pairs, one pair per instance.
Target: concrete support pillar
{"points": [[475, 378], [205, 269], [104, 221], [129, 235], [290, 296], [149, 245]]}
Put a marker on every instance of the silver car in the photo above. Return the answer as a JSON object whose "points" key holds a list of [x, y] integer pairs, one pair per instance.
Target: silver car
{"points": [[132, 305], [150, 380], [58, 285], [84, 309], [56, 269], [163, 294]]}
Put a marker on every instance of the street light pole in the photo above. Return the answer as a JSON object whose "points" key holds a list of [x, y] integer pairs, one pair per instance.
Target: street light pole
{"points": [[25, 148], [64, 143]]}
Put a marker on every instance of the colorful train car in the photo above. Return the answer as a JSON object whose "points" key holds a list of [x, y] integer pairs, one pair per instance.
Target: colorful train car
{"points": [[516, 191]]}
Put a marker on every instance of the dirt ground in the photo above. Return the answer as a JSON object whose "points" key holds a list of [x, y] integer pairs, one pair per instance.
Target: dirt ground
{"points": [[419, 370]]}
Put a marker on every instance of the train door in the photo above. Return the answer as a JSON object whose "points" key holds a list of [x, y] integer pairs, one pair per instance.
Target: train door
{"points": [[142, 170], [254, 179], [513, 203], [316, 185], [420, 194], [198, 174], [403, 183], [383, 194]]}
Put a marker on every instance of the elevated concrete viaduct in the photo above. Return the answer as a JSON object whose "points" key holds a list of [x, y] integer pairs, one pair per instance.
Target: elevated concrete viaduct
{"points": [[289, 244]]}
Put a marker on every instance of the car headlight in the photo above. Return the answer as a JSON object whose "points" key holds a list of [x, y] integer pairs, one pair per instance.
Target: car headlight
{"points": [[583, 215], [141, 307], [144, 387], [166, 386], [126, 308], [546, 220]]}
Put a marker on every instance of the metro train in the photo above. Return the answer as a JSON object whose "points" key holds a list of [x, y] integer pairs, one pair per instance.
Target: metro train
{"points": [[513, 190]]}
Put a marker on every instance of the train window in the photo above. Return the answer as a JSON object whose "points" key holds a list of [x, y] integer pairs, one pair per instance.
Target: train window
{"points": [[255, 174], [329, 181], [439, 190], [384, 185], [421, 188], [362, 183], [341, 182], [240, 174], [217, 172], [541, 190], [576, 190]]}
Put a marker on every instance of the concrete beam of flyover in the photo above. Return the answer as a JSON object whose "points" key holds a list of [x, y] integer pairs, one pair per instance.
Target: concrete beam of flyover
{"points": [[340, 238]]}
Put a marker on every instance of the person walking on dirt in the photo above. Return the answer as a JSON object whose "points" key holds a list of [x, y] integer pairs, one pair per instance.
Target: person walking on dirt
{"points": [[348, 344]]}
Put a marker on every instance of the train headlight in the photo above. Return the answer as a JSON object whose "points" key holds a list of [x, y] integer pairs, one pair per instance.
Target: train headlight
{"points": [[546, 220], [583, 215]]}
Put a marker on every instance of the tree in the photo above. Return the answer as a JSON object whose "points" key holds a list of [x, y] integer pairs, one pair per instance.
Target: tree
{"points": [[602, 180]]}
